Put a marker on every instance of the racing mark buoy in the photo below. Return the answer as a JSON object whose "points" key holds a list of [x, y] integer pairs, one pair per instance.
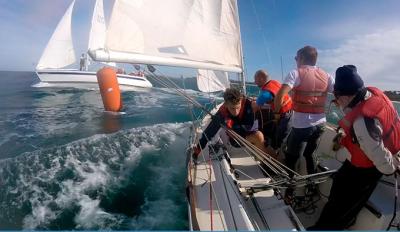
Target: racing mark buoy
{"points": [[109, 89]]}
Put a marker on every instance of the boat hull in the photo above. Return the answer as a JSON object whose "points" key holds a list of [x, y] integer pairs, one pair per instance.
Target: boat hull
{"points": [[217, 200], [84, 78]]}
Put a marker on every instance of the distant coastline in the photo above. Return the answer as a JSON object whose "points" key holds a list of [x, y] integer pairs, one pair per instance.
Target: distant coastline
{"points": [[393, 95]]}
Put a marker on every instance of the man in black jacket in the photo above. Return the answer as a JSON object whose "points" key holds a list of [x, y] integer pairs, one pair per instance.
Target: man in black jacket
{"points": [[237, 114]]}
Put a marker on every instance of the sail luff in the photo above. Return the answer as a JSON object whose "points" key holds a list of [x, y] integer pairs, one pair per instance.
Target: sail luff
{"points": [[59, 51]]}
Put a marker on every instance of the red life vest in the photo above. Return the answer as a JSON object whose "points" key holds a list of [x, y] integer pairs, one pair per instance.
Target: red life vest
{"points": [[273, 86], [378, 106], [226, 115], [310, 95]]}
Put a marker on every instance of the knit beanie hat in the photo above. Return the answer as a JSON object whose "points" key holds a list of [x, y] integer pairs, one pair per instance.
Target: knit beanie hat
{"points": [[347, 81]]}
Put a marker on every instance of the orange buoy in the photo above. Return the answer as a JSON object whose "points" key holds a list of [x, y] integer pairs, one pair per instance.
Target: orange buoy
{"points": [[109, 89]]}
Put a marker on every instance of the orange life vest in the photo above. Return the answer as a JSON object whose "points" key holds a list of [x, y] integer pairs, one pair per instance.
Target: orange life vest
{"points": [[226, 115], [310, 95], [378, 106], [273, 87]]}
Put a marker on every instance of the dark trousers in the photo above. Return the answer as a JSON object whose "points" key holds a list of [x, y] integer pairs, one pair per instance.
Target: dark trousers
{"points": [[350, 190], [274, 133], [282, 130], [303, 141]]}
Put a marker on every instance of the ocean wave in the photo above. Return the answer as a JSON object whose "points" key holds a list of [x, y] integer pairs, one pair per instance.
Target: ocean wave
{"points": [[88, 182]]}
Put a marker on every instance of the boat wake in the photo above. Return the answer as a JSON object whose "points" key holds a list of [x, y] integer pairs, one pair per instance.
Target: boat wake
{"points": [[132, 179]]}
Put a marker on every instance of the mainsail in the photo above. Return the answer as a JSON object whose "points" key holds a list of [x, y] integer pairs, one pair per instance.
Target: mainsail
{"points": [[59, 51], [199, 34]]}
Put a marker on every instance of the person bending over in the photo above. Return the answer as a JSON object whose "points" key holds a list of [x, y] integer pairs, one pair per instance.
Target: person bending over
{"points": [[237, 114]]}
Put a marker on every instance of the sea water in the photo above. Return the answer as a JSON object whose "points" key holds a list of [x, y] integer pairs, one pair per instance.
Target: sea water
{"points": [[66, 164]]}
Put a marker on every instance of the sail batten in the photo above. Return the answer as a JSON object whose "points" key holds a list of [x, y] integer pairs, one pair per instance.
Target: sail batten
{"points": [[59, 51], [197, 34]]}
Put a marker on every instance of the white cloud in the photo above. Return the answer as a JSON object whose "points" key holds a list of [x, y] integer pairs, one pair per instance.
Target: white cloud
{"points": [[377, 57]]}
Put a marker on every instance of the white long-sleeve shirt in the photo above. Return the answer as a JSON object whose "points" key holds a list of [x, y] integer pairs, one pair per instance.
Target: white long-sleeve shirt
{"points": [[370, 140], [374, 148]]}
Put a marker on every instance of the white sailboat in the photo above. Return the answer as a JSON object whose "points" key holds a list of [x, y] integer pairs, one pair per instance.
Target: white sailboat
{"points": [[229, 188], [60, 53]]}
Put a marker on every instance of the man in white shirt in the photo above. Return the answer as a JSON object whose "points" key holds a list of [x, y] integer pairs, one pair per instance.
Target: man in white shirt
{"points": [[310, 86]]}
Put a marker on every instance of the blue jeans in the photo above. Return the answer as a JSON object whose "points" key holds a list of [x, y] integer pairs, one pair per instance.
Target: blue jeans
{"points": [[303, 141]]}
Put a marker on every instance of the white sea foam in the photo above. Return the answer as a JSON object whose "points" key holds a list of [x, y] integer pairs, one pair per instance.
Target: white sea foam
{"points": [[41, 85], [71, 176]]}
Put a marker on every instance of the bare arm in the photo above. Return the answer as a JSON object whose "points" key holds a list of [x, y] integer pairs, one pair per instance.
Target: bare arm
{"points": [[279, 96]]}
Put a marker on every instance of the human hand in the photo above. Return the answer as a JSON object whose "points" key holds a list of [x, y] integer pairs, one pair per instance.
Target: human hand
{"points": [[277, 117], [196, 152], [336, 142], [254, 106]]}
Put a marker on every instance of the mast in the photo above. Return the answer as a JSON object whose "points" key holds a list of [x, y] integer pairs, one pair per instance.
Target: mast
{"points": [[282, 67]]}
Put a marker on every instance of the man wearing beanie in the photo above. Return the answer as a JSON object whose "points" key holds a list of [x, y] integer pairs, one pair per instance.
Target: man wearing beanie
{"points": [[371, 128], [310, 85]]}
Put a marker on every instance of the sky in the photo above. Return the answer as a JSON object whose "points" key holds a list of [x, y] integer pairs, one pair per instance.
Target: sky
{"points": [[365, 33]]}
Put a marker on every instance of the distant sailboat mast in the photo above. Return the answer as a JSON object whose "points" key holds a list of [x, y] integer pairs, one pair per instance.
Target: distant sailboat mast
{"points": [[97, 33]]}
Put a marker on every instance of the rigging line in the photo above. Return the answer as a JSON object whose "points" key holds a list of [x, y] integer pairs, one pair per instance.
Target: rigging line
{"points": [[208, 171], [165, 84], [255, 154], [190, 99], [281, 167], [233, 187], [209, 174], [227, 195], [211, 189], [204, 109], [173, 84], [246, 150], [264, 155], [262, 32], [179, 91]]}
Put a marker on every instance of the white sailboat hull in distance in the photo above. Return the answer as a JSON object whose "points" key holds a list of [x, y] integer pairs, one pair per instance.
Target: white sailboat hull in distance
{"points": [[78, 78]]}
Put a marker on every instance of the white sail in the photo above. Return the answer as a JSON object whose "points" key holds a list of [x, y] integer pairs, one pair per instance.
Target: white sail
{"points": [[59, 51], [198, 33], [212, 81], [98, 28]]}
